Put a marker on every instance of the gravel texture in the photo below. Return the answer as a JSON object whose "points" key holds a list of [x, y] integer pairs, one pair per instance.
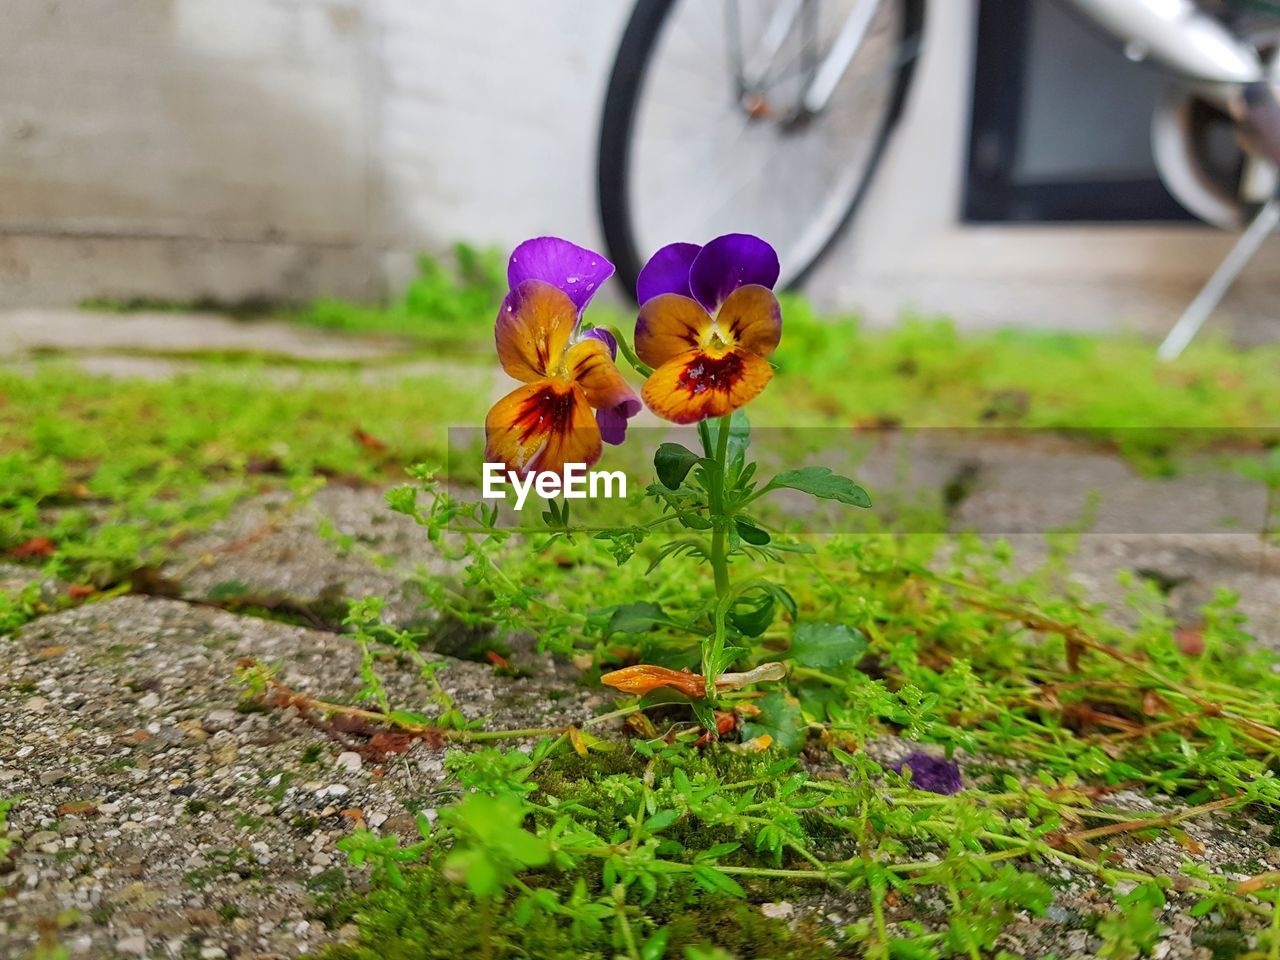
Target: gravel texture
{"points": [[159, 819]]}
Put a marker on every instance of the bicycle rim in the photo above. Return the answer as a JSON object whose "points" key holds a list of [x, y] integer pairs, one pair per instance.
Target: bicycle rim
{"points": [[680, 160]]}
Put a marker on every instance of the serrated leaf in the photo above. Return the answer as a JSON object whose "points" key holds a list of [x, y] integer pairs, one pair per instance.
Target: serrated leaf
{"points": [[825, 645], [820, 482], [672, 462]]}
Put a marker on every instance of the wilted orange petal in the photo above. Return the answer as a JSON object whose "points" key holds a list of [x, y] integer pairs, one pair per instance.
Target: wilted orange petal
{"points": [[645, 677], [756, 744]]}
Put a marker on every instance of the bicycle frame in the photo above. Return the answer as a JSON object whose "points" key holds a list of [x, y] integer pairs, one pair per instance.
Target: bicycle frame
{"points": [[1173, 33], [1180, 37]]}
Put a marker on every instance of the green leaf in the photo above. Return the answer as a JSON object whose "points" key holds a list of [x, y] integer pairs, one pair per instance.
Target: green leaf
{"points": [[820, 482], [705, 713], [752, 617], [660, 821], [525, 848], [726, 659], [673, 463], [655, 948], [780, 718], [639, 617], [403, 499], [751, 533], [713, 881], [409, 718], [825, 645], [715, 852]]}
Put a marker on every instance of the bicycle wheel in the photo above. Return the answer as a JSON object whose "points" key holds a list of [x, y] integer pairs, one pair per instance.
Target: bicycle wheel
{"points": [[706, 128]]}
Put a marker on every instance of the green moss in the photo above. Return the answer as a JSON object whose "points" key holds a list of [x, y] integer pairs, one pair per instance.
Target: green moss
{"points": [[1104, 388], [446, 305], [112, 473], [432, 918]]}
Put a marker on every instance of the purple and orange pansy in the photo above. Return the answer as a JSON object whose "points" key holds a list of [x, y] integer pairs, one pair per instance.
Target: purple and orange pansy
{"points": [[708, 321], [573, 398]]}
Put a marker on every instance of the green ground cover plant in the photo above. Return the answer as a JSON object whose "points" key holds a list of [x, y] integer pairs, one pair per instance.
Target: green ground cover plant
{"points": [[98, 478], [924, 373], [776, 775], [442, 305], [1056, 714], [663, 837]]}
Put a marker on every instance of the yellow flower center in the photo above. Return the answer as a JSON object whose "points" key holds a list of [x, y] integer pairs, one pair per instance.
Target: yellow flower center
{"points": [[715, 343]]}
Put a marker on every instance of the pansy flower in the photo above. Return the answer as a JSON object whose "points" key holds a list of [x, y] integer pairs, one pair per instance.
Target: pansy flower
{"points": [[708, 319], [567, 374]]}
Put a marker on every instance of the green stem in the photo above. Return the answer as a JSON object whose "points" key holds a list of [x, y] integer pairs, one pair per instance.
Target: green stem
{"points": [[1275, 929], [624, 925], [628, 354], [719, 556]]}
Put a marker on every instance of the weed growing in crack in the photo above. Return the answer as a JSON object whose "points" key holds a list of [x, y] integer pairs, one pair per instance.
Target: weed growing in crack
{"points": [[1057, 725]]}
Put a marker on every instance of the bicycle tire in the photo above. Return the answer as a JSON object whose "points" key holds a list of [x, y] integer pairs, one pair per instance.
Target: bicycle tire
{"points": [[622, 99]]}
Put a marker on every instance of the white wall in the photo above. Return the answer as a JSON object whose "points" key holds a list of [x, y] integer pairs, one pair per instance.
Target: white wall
{"points": [[269, 148], [284, 148]]}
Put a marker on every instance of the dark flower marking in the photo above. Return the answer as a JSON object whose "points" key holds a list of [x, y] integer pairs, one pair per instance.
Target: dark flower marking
{"points": [[711, 373], [550, 404]]}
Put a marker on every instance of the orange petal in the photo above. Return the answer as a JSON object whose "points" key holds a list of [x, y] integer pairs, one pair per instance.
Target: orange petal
{"points": [[751, 319], [697, 385], [591, 368], [669, 325], [541, 427], [533, 329], [644, 677]]}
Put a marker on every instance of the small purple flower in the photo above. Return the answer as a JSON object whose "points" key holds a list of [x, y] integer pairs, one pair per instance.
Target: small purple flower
{"points": [[579, 273], [932, 773]]}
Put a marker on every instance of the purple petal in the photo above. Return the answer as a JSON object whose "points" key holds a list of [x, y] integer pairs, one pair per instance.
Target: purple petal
{"points": [[932, 773], [605, 337], [730, 262], [613, 421], [667, 272], [577, 271]]}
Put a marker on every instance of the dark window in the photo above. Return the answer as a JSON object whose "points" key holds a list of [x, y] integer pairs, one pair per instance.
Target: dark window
{"points": [[1061, 122]]}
